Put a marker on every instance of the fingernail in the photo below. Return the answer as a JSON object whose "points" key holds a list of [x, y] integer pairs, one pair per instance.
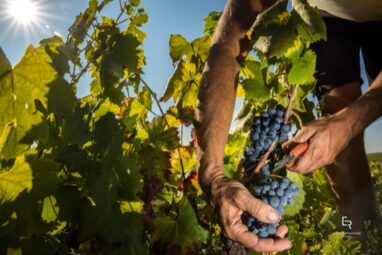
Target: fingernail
{"points": [[272, 216]]}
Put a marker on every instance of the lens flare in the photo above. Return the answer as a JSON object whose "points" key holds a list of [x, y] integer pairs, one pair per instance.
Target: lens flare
{"points": [[23, 11]]}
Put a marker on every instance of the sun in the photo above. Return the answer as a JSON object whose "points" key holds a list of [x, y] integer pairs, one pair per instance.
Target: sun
{"points": [[23, 12], [27, 19]]}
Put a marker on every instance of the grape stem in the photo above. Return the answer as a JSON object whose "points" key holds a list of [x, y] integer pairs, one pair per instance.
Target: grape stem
{"points": [[264, 158]]}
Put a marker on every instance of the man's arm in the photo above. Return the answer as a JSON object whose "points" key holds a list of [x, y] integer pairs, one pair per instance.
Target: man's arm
{"points": [[330, 135], [214, 114]]}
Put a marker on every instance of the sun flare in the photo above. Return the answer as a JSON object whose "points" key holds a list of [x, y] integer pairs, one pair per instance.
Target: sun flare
{"points": [[23, 11]]}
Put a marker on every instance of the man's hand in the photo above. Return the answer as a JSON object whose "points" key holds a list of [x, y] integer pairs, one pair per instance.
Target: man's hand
{"points": [[230, 199], [326, 137]]}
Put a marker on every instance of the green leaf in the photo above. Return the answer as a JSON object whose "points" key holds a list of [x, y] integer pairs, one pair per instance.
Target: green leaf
{"points": [[162, 137], [33, 78], [179, 82], [211, 22], [145, 98], [179, 47], [124, 56], [256, 88], [135, 2], [50, 209], [184, 154], [303, 68], [272, 15], [82, 23], [275, 39], [310, 24], [201, 47], [5, 65], [183, 231], [292, 210], [18, 179], [333, 244], [140, 19], [27, 173]]}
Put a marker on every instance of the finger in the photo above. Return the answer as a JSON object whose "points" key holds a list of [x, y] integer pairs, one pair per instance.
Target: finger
{"points": [[281, 231], [304, 134], [258, 209], [304, 163], [253, 242], [273, 245]]}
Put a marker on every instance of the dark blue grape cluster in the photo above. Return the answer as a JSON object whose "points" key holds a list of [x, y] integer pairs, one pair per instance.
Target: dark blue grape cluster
{"points": [[266, 128], [277, 193], [275, 190]]}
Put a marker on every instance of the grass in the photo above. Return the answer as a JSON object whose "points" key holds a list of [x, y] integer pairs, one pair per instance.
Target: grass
{"points": [[375, 156]]}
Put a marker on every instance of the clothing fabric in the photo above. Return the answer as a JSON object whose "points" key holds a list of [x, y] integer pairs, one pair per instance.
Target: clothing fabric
{"points": [[338, 58], [355, 10]]}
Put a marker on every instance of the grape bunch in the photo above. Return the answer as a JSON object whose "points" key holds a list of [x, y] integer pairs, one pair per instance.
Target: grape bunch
{"points": [[266, 129], [271, 188]]}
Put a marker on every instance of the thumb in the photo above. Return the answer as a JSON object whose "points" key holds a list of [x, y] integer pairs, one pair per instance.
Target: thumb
{"points": [[260, 210], [302, 136]]}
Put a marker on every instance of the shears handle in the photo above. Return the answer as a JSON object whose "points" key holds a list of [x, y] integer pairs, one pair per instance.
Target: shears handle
{"points": [[297, 151]]}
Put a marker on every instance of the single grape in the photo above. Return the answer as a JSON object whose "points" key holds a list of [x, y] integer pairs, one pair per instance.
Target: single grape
{"points": [[280, 192], [274, 201]]}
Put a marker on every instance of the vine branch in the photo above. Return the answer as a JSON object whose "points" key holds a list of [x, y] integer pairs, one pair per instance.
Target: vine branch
{"points": [[154, 95]]}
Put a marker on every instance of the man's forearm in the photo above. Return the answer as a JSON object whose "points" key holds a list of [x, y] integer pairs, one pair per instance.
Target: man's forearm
{"points": [[366, 109], [218, 88]]}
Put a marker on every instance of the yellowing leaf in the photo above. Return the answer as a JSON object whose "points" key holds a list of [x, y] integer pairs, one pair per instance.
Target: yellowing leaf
{"points": [[179, 47], [50, 209], [187, 157]]}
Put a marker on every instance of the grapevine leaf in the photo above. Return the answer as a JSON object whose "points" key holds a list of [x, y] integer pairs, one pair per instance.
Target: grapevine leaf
{"points": [[243, 116], [333, 244], [50, 209], [234, 148], [30, 80], [256, 88], [16, 180], [183, 74], [211, 22], [292, 210], [135, 2], [82, 23], [201, 47], [310, 26], [276, 39], [140, 19], [303, 68], [26, 174], [124, 56], [295, 236], [161, 136], [188, 160], [145, 98], [183, 231], [179, 47], [5, 65], [272, 14]]}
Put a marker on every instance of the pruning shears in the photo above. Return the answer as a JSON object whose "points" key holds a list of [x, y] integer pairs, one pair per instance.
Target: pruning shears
{"points": [[288, 160]]}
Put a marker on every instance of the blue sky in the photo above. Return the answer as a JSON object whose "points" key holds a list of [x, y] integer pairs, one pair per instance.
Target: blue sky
{"points": [[166, 17]]}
